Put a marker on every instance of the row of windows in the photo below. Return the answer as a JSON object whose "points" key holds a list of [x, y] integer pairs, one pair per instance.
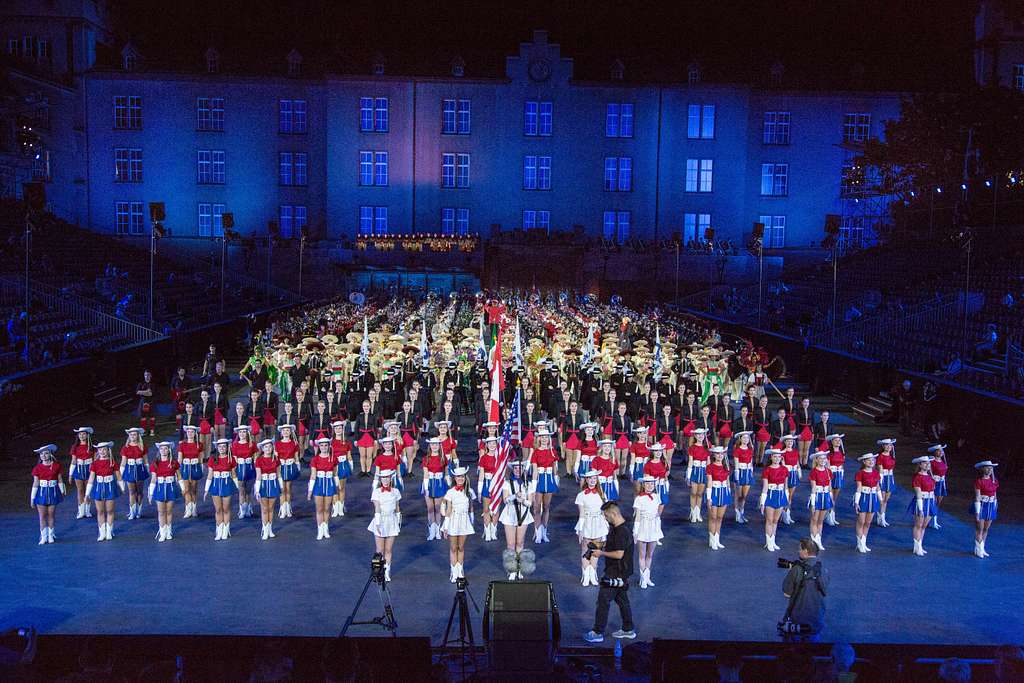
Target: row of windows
{"points": [[537, 118], [373, 220], [29, 47], [373, 171]]}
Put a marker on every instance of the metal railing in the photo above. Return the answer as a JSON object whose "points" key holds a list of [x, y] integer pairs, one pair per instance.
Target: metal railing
{"points": [[80, 310]]}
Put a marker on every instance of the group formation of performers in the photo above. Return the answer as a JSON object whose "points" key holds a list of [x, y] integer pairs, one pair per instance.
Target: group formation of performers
{"points": [[614, 445]]}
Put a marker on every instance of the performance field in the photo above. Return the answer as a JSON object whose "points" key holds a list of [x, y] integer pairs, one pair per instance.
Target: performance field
{"points": [[295, 585]]}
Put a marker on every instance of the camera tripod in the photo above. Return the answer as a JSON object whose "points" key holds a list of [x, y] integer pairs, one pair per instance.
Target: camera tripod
{"points": [[465, 638], [387, 620]]}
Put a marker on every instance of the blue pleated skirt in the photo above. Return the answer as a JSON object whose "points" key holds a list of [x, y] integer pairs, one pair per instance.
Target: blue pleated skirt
{"points": [[245, 472], [106, 490], [290, 472], [838, 479], [80, 472], [546, 483], [929, 509], [821, 501], [611, 491], [776, 499], [699, 474], [743, 477], [434, 488], [167, 492], [887, 484], [870, 502], [48, 495], [638, 471], [721, 496], [485, 487], [941, 490], [271, 488], [344, 469], [663, 493], [192, 472], [325, 487], [793, 479], [133, 473], [988, 510], [223, 487], [584, 465]]}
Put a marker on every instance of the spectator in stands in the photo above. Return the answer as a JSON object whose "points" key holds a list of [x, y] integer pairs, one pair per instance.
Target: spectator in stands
{"points": [[1008, 300], [17, 326], [843, 658], [730, 663], [953, 366], [954, 670], [987, 344]]}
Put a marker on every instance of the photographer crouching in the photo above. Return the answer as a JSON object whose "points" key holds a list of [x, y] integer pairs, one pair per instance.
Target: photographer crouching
{"points": [[805, 585], [617, 552]]}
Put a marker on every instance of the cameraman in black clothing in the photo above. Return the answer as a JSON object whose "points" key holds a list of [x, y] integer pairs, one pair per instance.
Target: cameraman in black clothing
{"points": [[805, 585], [618, 567]]}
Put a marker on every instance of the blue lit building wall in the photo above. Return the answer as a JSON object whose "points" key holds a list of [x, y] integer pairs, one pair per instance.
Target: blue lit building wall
{"points": [[496, 144]]}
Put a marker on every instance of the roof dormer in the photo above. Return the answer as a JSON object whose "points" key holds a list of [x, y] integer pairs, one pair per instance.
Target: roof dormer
{"points": [[377, 64], [618, 70], [294, 59], [130, 57], [212, 60], [458, 66]]}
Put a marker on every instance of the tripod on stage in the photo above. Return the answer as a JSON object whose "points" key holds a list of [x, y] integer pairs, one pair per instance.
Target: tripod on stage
{"points": [[386, 620], [465, 637]]}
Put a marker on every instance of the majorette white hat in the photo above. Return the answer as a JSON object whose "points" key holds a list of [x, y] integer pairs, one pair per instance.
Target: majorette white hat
{"points": [[446, 423], [834, 436], [386, 424], [189, 428], [242, 428], [386, 473], [341, 423], [882, 442], [717, 449], [491, 439], [937, 447], [159, 444], [285, 426], [788, 437], [589, 425], [87, 430], [922, 458], [772, 451], [322, 439], [386, 439], [109, 444], [591, 473], [648, 479], [52, 448], [700, 430], [222, 441], [601, 442], [656, 446], [985, 463], [140, 430], [460, 471], [264, 442], [745, 431], [489, 424], [867, 455], [543, 432], [434, 440], [639, 429], [819, 454]]}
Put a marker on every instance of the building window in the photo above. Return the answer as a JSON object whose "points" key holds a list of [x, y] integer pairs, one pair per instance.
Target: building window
{"points": [[373, 168], [774, 180], [129, 218], [291, 220], [851, 231], [455, 117], [537, 119], [127, 112], [454, 170], [127, 165], [700, 121], [373, 114], [210, 113], [292, 168], [1018, 76], [856, 127], [774, 231], [618, 174], [536, 219], [695, 225], [616, 226], [210, 167], [699, 173], [373, 220], [536, 172], [455, 221], [776, 128], [618, 120], [291, 116], [211, 220], [12, 47]]}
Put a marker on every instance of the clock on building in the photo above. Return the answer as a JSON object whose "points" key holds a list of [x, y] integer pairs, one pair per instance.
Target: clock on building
{"points": [[540, 70]]}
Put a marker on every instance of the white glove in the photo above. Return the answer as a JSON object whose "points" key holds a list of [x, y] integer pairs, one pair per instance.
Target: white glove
{"points": [[124, 465], [761, 503], [856, 501], [799, 473], [977, 508], [181, 485], [688, 471], [152, 489], [88, 491], [920, 506], [309, 489], [32, 497], [206, 489], [399, 516], [256, 490], [707, 493], [63, 489], [122, 486]]}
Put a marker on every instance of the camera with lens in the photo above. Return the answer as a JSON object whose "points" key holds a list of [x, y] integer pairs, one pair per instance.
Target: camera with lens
{"points": [[591, 547], [613, 583], [377, 567], [783, 563], [461, 584], [788, 627]]}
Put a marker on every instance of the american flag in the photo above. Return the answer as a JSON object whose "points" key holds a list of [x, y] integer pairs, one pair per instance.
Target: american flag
{"points": [[657, 354], [424, 349], [504, 453]]}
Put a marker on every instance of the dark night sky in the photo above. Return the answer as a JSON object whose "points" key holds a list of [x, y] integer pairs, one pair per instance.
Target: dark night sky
{"points": [[901, 45]]}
